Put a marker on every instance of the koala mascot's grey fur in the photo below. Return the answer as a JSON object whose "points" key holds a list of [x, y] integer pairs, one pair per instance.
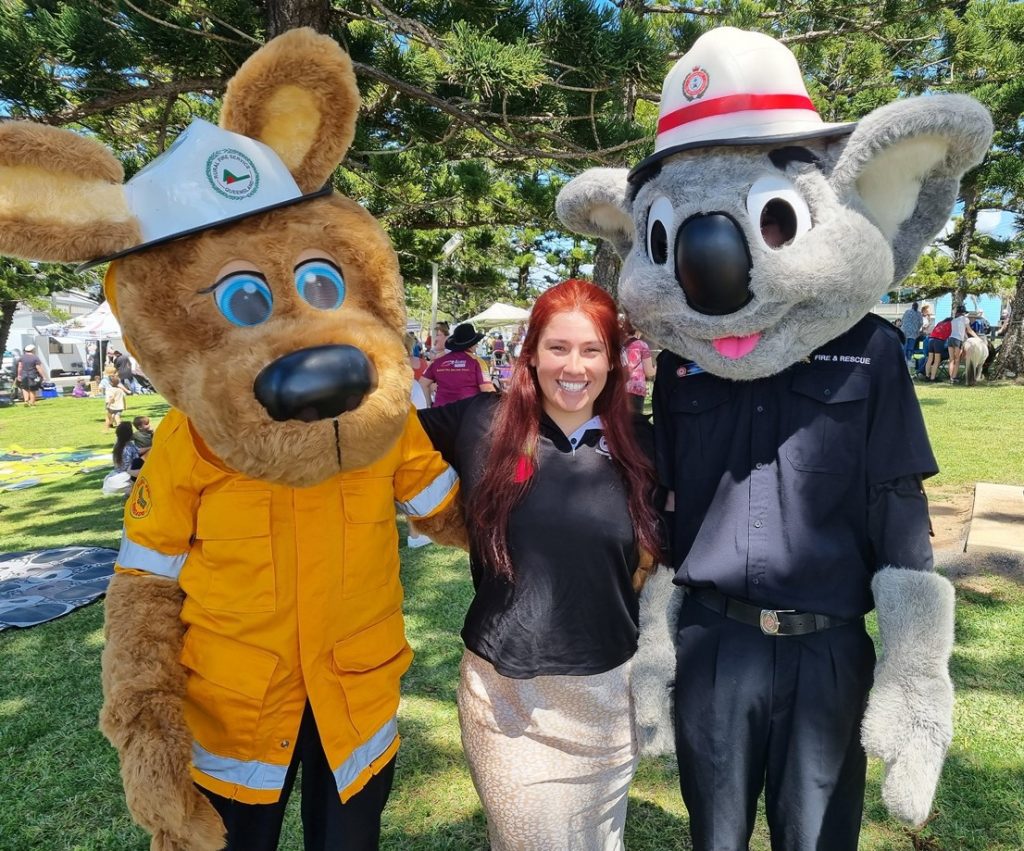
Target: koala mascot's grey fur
{"points": [[875, 195]]}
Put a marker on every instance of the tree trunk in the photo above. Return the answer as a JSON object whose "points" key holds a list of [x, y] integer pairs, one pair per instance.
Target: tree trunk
{"points": [[1011, 353], [7, 310], [523, 283], [283, 15], [607, 266], [963, 252]]}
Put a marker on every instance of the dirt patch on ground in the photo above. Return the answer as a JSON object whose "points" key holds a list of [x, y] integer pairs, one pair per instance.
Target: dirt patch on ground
{"points": [[950, 510]]}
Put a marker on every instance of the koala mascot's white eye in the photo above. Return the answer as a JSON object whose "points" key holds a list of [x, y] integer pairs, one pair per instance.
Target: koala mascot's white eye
{"points": [[659, 226], [777, 210]]}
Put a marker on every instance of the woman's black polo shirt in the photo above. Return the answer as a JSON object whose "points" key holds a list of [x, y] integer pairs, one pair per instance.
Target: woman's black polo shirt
{"points": [[792, 490], [571, 609]]}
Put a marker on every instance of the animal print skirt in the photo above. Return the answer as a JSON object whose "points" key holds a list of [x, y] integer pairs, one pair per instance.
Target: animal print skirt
{"points": [[551, 757]]}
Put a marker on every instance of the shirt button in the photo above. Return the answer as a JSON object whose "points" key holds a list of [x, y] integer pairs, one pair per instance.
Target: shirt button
{"points": [[694, 403], [285, 743], [757, 581], [758, 465], [760, 409], [758, 524], [828, 392]]}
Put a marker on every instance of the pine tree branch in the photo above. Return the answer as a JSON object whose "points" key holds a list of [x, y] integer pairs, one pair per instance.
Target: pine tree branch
{"points": [[134, 95]]}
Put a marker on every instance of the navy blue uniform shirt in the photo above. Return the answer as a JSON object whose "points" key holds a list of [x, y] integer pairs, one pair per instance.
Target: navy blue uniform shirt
{"points": [[792, 490]]}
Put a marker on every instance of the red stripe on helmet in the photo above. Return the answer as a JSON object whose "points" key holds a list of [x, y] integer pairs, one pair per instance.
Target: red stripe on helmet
{"points": [[731, 103]]}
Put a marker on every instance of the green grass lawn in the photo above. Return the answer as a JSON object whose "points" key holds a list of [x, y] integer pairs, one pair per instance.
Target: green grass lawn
{"points": [[61, 788]]}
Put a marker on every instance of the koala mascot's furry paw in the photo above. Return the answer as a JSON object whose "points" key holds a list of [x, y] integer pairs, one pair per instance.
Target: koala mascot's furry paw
{"points": [[269, 311], [909, 719], [654, 664]]}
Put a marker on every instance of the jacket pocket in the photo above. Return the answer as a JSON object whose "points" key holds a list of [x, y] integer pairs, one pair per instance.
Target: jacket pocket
{"points": [[828, 418], [369, 666], [233, 567], [227, 684], [371, 537]]}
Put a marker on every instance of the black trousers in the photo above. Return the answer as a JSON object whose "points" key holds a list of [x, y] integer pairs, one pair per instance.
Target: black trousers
{"points": [[780, 714], [327, 824]]}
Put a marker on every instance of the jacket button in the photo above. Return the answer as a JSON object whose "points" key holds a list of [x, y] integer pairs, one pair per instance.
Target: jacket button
{"points": [[828, 392], [758, 465], [760, 409], [285, 743], [758, 524]]}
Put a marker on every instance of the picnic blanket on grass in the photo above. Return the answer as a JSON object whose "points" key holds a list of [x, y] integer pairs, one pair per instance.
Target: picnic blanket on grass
{"points": [[24, 468], [39, 586]]}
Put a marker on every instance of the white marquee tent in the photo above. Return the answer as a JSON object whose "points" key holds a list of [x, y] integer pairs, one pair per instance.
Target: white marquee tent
{"points": [[499, 314]]}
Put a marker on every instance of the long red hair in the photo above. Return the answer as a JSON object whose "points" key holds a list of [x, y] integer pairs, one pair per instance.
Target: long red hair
{"points": [[512, 458]]}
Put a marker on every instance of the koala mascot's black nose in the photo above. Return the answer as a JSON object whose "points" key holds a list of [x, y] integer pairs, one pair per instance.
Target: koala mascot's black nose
{"points": [[713, 264], [315, 384]]}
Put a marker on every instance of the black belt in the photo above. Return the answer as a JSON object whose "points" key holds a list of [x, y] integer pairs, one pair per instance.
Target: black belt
{"points": [[769, 621]]}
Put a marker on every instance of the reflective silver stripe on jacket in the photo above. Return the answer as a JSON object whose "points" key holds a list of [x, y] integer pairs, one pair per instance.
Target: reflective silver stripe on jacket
{"points": [[361, 758], [252, 774], [428, 499], [137, 557]]}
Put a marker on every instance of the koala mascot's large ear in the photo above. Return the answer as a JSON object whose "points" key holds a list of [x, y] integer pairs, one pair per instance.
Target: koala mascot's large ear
{"points": [[596, 203], [904, 162], [298, 95], [61, 197]]}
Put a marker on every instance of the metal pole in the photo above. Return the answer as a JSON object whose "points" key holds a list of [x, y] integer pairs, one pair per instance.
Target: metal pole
{"points": [[433, 303]]}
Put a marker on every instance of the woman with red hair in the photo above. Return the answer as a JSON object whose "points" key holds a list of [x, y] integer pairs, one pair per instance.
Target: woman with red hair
{"points": [[559, 497]]}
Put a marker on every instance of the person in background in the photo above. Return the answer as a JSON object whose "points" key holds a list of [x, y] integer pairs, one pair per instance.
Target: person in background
{"points": [[457, 374], [498, 351], [127, 458], [115, 401], [436, 344], [639, 366], [910, 325], [937, 347], [143, 436], [958, 332], [558, 481], [31, 375], [80, 391]]}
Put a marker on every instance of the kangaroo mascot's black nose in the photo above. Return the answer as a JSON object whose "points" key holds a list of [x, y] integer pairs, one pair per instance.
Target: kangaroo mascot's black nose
{"points": [[315, 384], [713, 264]]}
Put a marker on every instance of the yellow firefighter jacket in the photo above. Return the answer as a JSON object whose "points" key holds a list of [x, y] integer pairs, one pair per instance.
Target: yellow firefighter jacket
{"points": [[291, 594]]}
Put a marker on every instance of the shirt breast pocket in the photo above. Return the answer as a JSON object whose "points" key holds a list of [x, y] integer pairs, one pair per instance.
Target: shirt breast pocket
{"points": [[828, 421], [231, 567], [371, 537], [702, 428]]}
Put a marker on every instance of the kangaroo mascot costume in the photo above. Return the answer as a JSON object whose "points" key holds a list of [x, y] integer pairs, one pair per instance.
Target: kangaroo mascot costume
{"points": [[255, 620], [754, 241]]}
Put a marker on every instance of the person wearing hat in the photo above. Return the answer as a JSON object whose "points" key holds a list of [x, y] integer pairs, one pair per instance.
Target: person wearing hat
{"points": [[457, 374], [31, 375], [755, 240]]}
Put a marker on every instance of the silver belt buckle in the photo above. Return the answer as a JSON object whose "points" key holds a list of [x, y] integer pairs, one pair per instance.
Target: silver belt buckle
{"points": [[770, 620]]}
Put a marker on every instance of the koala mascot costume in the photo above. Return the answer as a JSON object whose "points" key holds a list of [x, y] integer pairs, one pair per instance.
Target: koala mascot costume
{"points": [[754, 241], [255, 621]]}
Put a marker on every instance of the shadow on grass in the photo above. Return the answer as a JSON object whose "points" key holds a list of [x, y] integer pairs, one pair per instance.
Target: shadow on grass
{"points": [[975, 809]]}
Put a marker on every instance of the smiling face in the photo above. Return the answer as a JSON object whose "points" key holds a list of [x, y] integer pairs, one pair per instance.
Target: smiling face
{"points": [[734, 263], [572, 367], [212, 318]]}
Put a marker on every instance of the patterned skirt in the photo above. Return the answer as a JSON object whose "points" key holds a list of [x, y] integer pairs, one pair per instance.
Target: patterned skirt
{"points": [[551, 757]]}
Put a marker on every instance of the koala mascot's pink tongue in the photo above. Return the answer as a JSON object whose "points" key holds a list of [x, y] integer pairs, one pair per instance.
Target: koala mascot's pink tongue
{"points": [[736, 347]]}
